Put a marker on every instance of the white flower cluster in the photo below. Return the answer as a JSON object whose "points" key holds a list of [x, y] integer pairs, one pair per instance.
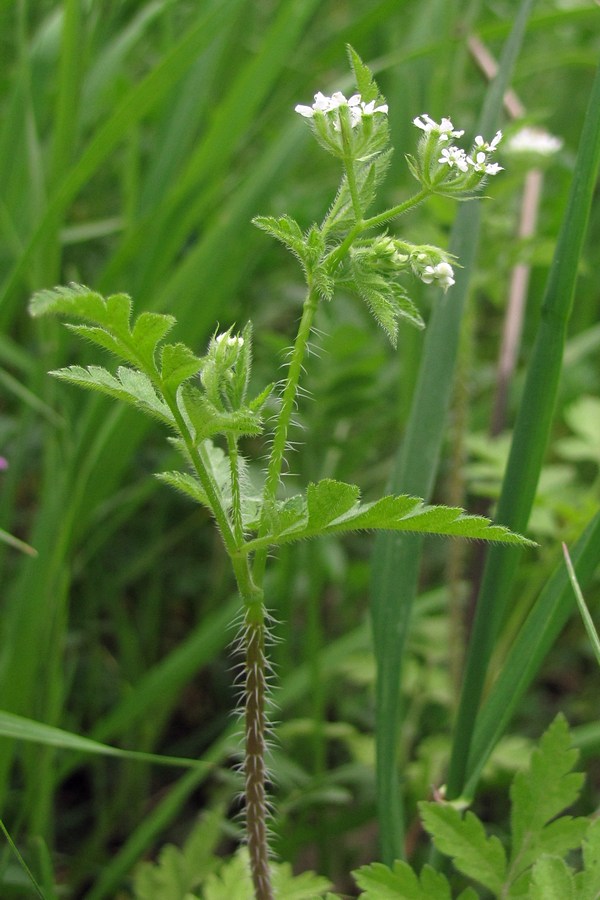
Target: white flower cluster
{"points": [[455, 156], [442, 275], [357, 107], [444, 131], [534, 140]]}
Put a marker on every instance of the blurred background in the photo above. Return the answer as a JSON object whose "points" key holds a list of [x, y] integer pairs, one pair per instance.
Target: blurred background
{"points": [[137, 140]]}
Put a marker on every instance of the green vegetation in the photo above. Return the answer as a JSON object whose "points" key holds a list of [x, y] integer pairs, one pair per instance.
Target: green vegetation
{"points": [[138, 141]]}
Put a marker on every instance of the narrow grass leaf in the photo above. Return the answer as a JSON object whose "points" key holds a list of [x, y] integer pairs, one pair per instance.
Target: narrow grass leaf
{"points": [[396, 561], [21, 861], [24, 729], [531, 433], [585, 613]]}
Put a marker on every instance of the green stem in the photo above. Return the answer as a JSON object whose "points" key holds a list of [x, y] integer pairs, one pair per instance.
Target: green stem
{"points": [[206, 480], [283, 423], [236, 494], [333, 259], [349, 161]]}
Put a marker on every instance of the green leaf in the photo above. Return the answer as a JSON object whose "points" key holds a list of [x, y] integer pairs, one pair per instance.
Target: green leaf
{"points": [[329, 499], [552, 879], [401, 883], [588, 881], [233, 882], [187, 484], [306, 886], [178, 363], [149, 329], [464, 839], [363, 78], [207, 421], [23, 729], [178, 871], [386, 299], [286, 230], [332, 507], [130, 385], [540, 794], [109, 320]]}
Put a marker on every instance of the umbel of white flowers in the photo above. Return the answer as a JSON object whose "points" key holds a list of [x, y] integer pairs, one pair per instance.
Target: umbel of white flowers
{"points": [[357, 107]]}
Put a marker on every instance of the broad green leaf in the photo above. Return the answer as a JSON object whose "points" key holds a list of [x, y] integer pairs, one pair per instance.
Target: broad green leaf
{"points": [[552, 879], [464, 839], [131, 386], [401, 883], [541, 793], [178, 363]]}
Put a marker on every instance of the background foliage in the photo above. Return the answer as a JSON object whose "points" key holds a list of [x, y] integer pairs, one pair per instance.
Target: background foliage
{"points": [[137, 141]]}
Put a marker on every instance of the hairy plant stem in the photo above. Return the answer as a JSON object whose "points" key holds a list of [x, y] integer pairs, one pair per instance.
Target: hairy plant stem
{"points": [[288, 403], [255, 746]]}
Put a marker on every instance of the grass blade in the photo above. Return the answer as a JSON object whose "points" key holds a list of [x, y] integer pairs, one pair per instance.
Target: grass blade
{"points": [[585, 613], [396, 560], [531, 434]]}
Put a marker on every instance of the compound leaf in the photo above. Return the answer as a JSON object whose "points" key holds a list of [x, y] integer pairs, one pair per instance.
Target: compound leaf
{"points": [[111, 315], [332, 507]]}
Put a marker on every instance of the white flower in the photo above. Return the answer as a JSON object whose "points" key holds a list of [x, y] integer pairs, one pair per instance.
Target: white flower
{"points": [[454, 156], [480, 144], [480, 164], [534, 140], [445, 130], [442, 274], [369, 108], [357, 107]]}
